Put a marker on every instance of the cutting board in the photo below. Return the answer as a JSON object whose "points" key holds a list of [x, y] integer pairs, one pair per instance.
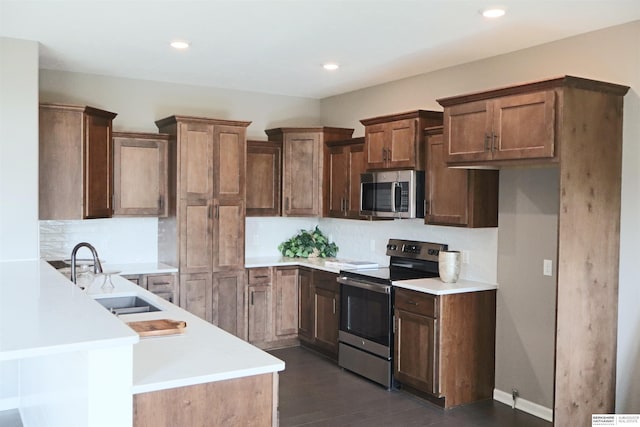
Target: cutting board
{"points": [[148, 328]]}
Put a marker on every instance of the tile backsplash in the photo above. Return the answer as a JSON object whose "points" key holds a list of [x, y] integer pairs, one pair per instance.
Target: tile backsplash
{"points": [[117, 240]]}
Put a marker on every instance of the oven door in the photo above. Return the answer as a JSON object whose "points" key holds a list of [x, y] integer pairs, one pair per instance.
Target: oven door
{"points": [[365, 316]]}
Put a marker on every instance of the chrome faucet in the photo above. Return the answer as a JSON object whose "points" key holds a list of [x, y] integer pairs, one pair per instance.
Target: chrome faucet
{"points": [[97, 267]]}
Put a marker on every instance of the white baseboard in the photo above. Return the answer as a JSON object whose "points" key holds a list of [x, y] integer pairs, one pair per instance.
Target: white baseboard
{"points": [[524, 405]]}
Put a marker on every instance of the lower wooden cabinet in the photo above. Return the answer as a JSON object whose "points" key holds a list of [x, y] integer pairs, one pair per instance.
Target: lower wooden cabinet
{"points": [[326, 310], [217, 298], [285, 301], [259, 314], [163, 285], [445, 345], [305, 304]]}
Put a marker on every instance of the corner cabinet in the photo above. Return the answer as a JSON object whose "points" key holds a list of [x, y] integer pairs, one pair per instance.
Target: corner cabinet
{"points": [[457, 197], [75, 162], [140, 163], [264, 169], [445, 345], [302, 164], [344, 161], [203, 233], [397, 141]]}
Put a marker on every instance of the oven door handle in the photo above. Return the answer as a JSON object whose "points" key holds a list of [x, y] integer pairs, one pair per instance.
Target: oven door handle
{"points": [[382, 289]]}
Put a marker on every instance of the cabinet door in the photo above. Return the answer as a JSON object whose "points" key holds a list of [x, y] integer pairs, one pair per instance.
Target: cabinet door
{"points": [[467, 131], [326, 320], [228, 301], [302, 186], [139, 175], [523, 126], [376, 137], [401, 149], [305, 305], [228, 235], [196, 245], [357, 164], [285, 290], [196, 294], [259, 314], [229, 162], [446, 189], [263, 178], [98, 168], [336, 187], [415, 361], [196, 161]]}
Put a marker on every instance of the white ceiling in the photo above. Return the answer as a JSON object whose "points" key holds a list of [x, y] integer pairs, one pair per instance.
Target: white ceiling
{"points": [[279, 46]]}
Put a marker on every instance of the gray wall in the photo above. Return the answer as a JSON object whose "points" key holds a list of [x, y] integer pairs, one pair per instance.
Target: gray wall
{"points": [[528, 219], [613, 55]]}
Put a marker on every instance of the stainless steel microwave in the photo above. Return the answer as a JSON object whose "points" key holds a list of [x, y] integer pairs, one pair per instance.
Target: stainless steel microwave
{"points": [[392, 194]]}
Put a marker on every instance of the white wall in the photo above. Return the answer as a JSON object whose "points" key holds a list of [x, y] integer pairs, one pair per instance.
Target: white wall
{"points": [[18, 149], [611, 55]]}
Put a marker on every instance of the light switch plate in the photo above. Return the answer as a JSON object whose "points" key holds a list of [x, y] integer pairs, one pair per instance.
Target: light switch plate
{"points": [[547, 267]]}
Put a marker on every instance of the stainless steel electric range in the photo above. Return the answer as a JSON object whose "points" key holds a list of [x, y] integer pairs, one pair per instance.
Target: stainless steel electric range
{"points": [[366, 308]]}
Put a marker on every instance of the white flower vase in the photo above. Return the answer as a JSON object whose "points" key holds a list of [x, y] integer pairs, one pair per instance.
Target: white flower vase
{"points": [[449, 266]]}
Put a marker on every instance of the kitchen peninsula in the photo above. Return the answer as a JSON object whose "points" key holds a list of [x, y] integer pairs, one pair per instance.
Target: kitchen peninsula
{"points": [[63, 339]]}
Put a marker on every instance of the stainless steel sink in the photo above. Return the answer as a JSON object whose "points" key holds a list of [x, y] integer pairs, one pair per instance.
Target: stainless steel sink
{"points": [[127, 305]]}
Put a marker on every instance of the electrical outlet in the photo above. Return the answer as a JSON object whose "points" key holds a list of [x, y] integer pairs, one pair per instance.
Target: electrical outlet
{"points": [[465, 257], [547, 267]]}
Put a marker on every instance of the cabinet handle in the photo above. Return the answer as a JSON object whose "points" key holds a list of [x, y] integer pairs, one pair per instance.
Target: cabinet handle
{"points": [[394, 323], [384, 154], [161, 283], [217, 211], [334, 306], [426, 207], [389, 154], [210, 211], [261, 277], [493, 142], [286, 203], [251, 298], [412, 302], [160, 203], [346, 206], [486, 141]]}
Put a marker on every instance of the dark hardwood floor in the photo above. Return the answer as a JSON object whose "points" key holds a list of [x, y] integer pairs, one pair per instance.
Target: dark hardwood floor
{"points": [[316, 392]]}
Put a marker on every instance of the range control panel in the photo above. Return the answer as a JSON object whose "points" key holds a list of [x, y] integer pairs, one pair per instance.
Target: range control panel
{"points": [[413, 249]]}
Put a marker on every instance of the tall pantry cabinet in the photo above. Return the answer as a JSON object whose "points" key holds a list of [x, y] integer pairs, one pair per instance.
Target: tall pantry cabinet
{"points": [[203, 233]]}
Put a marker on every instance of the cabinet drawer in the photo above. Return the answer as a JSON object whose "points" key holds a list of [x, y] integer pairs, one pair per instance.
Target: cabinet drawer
{"points": [[416, 302], [259, 276], [161, 283], [135, 278], [325, 280]]}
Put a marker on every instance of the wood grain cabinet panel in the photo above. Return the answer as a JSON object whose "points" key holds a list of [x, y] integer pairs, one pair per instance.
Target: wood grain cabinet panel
{"points": [[264, 170], [203, 233], [305, 305], [140, 163], [445, 345], [515, 127], [285, 302], [344, 162], [397, 141], [458, 197], [302, 166], [75, 162], [259, 314]]}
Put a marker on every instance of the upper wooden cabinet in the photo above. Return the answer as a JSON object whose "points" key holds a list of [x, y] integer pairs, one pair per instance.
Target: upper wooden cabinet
{"points": [[302, 163], [140, 174], [344, 161], [75, 162], [397, 141], [459, 197], [264, 168]]}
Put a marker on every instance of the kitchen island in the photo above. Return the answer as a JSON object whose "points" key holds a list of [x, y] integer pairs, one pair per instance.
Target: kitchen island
{"points": [[202, 372]]}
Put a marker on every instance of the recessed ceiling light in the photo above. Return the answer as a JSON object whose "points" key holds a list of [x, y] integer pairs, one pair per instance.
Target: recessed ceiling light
{"points": [[331, 66], [493, 13], [179, 45]]}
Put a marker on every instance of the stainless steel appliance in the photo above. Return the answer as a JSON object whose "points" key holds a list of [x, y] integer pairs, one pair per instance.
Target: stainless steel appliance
{"points": [[366, 307], [392, 194]]}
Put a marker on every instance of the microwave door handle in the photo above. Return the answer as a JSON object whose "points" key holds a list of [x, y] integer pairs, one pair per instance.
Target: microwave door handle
{"points": [[394, 197]]}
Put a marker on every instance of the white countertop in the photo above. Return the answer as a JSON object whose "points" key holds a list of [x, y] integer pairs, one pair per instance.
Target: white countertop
{"points": [[435, 286], [203, 353], [41, 312], [279, 261]]}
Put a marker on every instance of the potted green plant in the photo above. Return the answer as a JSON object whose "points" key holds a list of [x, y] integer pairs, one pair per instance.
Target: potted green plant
{"points": [[308, 244]]}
